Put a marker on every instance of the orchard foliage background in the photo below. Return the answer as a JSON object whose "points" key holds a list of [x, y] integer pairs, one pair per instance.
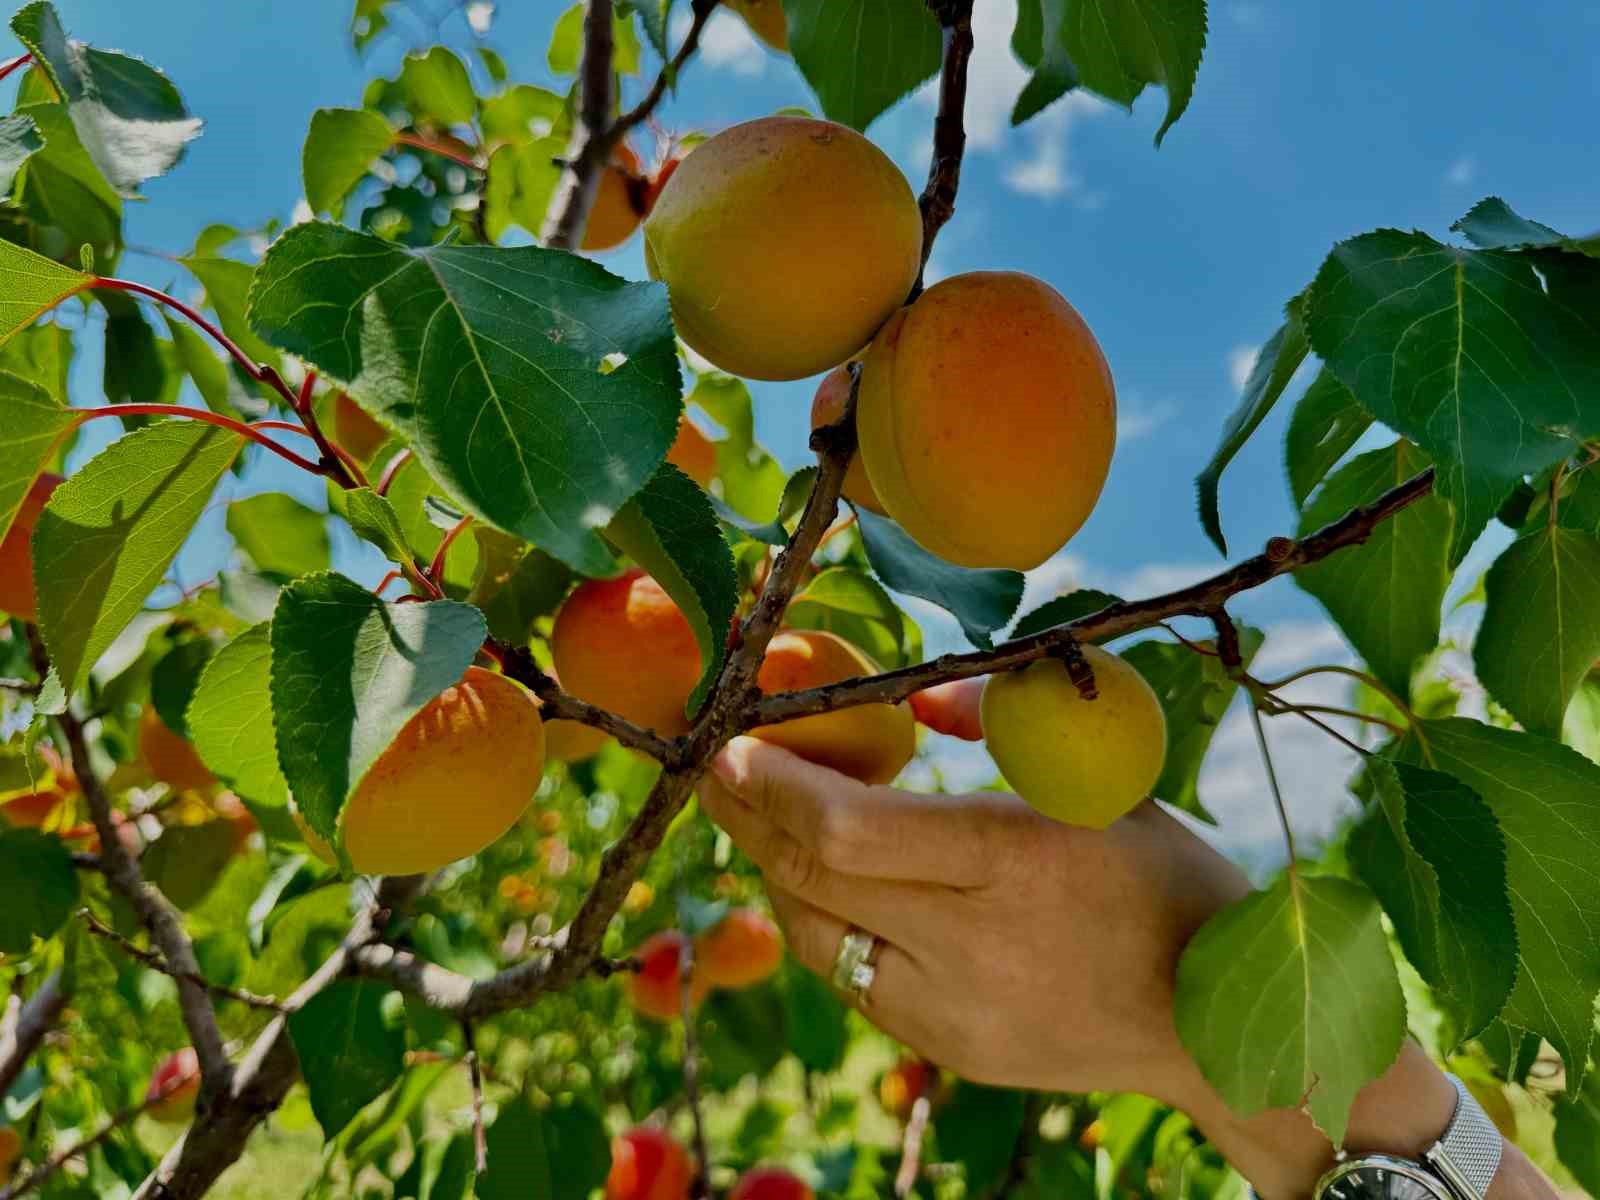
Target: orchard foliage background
{"points": [[390, 1038]]}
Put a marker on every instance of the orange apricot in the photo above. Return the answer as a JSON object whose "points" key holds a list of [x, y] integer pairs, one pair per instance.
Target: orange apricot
{"points": [[461, 772], [951, 708], [16, 551], [870, 742], [770, 1183], [826, 408], [624, 645], [740, 950], [904, 1084], [355, 430], [10, 1151], [784, 242], [618, 203], [173, 1087], [646, 1164], [652, 191], [693, 453], [766, 20], [170, 757], [987, 419], [656, 989]]}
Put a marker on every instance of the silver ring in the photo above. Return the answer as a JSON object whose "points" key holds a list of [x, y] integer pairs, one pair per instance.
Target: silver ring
{"points": [[855, 963]]}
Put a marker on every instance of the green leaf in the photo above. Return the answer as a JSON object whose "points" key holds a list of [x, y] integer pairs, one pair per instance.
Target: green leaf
{"points": [[340, 146], [438, 88], [1290, 994], [1541, 624], [1195, 691], [489, 361], [752, 480], [522, 180], [173, 680], [850, 603], [128, 114], [41, 354], [1386, 593], [560, 1153], [1542, 793], [350, 1054], [109, 533], [979, 1129], [1324, 426], [62, 191], [742, 1034], [31, 285], [367, 22], [670, 530], [213, 376], [186, 861], [1275, 365], [230, 719], [227, 283], [1581, 730], [790, 504], [42, 889], [1433, 852], [816, 1018], [1493, 225], [1116, 48], [282, 536], [517, 585], [1466, 353], [19, 138], [653, 15], [522, 114], [133, 370], [861, 56], [374, 519], [1577, 1135], [32, 423], [981, 600], [1079, 602], [566, 43], [348, 672]]}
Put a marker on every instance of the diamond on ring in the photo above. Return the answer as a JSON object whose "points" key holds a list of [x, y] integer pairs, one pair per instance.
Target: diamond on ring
{"points": [[854, 968]]}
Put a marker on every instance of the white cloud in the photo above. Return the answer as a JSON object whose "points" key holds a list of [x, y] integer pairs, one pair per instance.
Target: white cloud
{"points": [[1291, 645], [1463, 171], [726, 43], [1135, 421], [1240, 360]]}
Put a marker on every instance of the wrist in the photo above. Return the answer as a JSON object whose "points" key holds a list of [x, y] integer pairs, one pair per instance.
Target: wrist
{"points": [[1283, 1154]]}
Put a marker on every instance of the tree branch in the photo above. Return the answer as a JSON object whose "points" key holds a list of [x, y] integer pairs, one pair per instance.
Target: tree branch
{"points": [[156, 963], [938, 202], [640, 112], [24, 1029], [589, 149], [1201, 599], [556, 705], [40, 1174]]}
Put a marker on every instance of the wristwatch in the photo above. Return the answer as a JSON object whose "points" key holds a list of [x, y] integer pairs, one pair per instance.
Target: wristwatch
{"points": [[1459, 1166]]}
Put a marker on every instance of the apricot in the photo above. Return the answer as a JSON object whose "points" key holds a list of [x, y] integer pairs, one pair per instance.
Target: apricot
{"points": [[784, 242], [1084, 762], [170, 757], [10, 1151], [951, 708], [987, 419], [766, 21], [570, 742], [869, 742], [693, 453], [646, 1164], [618, 203], [740, 950], [624, 645], [656, 989], [904, 1084], [355, 430], [173, 1087], [652, 191], [770, 1183], [826, 408], [16, 551], [460, 773], [32, 810]]}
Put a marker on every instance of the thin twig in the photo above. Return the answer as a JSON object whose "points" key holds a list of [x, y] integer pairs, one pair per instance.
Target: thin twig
{"points": [[556, 705], [700, 1185], [1329, 730], [401, 458], [61, 1158], [156, 963], [480, 1141], [1272, 782], [205, 415], [23, 687], [418, 142], [26, 1027], [641, 112], [938, 202]]}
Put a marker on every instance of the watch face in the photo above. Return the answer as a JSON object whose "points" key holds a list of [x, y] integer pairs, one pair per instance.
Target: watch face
{"points": [[1379, 1178]]}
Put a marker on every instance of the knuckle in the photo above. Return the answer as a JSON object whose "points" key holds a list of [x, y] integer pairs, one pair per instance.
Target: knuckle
{"points": [[796, 868], [838, 831]]}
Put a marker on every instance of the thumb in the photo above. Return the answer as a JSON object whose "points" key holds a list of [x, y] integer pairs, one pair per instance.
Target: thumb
{"points": [[778, 784]]}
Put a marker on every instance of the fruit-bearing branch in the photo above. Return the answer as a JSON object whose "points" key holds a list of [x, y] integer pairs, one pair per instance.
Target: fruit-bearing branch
{"points": [[938, 201]]}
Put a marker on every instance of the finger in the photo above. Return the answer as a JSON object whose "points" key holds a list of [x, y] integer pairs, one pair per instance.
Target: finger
{"points": [[897, 909], [879, 832], [952, 708], [813, 937]]}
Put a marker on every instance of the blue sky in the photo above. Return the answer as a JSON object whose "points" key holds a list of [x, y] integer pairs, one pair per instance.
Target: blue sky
{"points": [[1310, 123]]}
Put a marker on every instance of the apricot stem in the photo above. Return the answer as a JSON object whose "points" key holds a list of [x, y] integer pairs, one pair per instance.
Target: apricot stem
{"points": [[20, 61], [421, 143], [206, 416], [938, 201], [1272, 782]]}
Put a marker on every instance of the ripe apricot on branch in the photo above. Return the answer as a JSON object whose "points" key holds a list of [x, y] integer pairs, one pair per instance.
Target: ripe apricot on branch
{"points": [[833, 393], [1085, 762], [987, 419], [624, 645], [16, 551], [619, 202], [656, 989], [785, 242], [869, 742], [173, 1087], [740, 950], [355, 430], [770, 1183], [646, 1164], [693, 453], [170, 757], [951, 708], [766, 20], [460, 773]]}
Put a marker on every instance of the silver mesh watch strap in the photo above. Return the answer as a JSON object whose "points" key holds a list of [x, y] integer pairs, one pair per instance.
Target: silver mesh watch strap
{"points": [[1468, 1154]]}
